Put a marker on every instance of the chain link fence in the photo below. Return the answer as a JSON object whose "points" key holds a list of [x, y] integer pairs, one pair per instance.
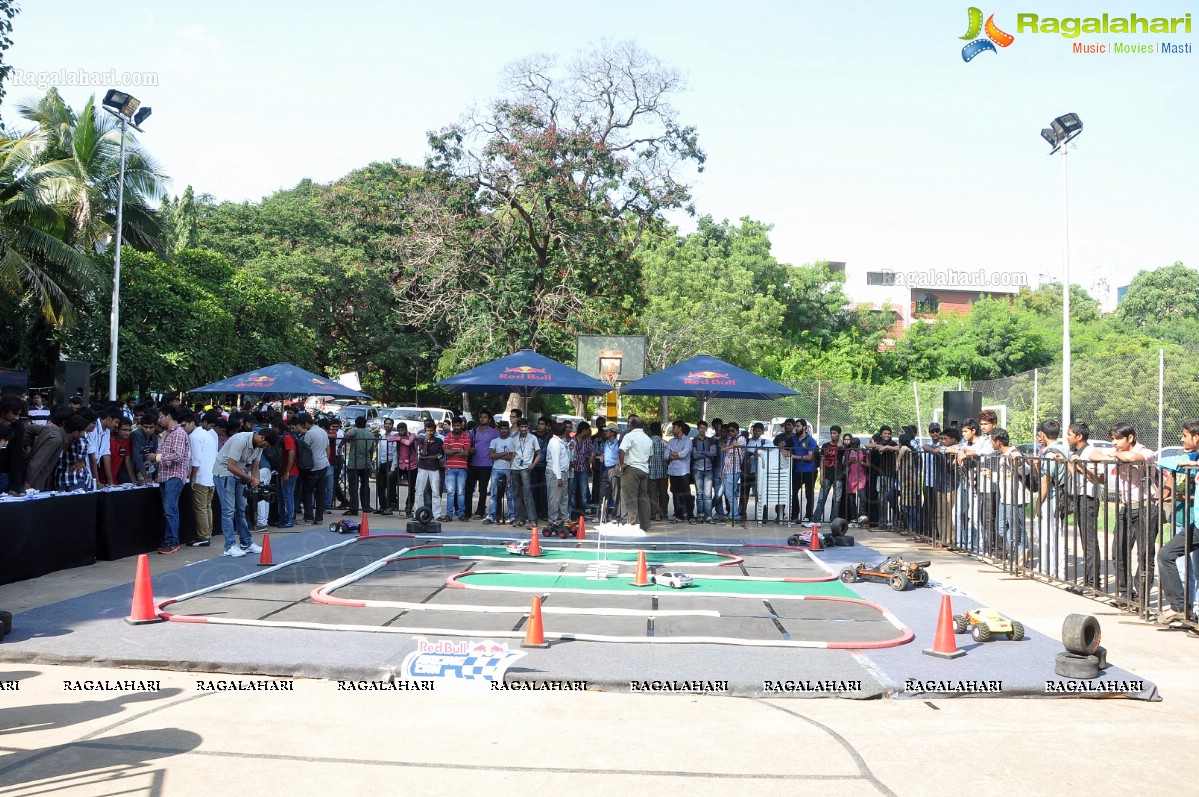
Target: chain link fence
{"points": [[1153, 389]]}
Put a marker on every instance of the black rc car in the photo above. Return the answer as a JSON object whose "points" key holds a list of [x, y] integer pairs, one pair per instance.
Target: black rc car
{"points": [[894, 570]]}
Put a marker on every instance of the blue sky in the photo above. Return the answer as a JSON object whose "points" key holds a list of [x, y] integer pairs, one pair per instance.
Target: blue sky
{"points": [[855, 127]]}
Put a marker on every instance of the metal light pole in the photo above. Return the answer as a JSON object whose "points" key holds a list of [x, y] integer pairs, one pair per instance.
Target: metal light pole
{"points": [[1066, 364], [126, 108], [1059, 134], [114, 318]]}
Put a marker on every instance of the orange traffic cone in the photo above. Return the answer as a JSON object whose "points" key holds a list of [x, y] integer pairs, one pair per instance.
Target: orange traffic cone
{"points": [[265, 557], [581, 534], [535, 542], [143, 595], [641, 579], [945, 645], [534, 634], [814, 540], [364, 530]]}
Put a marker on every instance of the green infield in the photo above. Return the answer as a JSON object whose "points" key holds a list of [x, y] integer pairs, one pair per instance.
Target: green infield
{"points": [[570, 554], [538, 582]]}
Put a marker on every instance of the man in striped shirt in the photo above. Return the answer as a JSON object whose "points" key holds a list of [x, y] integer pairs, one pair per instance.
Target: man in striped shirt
{"points": [[173, 459]]}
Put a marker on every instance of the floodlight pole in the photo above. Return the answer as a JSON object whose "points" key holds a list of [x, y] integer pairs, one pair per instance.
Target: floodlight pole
{"points": [[1066, 417], [115, 316]]}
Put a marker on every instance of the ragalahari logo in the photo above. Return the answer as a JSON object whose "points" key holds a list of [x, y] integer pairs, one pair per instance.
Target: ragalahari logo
{"points": [[525, 373], [994, 36]]}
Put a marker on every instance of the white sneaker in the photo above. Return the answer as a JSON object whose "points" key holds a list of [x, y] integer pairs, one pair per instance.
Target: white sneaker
{"points": [[252, 548], [234, 551]]}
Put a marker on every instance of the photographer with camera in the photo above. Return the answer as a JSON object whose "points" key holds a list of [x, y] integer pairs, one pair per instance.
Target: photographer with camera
{"points": [[236, 469]]}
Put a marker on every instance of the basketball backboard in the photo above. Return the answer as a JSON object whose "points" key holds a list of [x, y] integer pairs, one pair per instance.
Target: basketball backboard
{"points": [[601, 355]]}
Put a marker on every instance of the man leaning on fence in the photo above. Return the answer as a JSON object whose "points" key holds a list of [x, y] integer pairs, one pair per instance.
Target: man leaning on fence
{"points": [[1139, 522], [1186, 498]]}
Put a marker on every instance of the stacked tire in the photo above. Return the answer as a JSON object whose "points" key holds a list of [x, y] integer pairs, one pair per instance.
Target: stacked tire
{"points": [[1084, 657]]}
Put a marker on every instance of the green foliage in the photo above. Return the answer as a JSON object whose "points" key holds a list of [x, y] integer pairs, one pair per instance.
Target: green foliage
{"points": [[1163, 303]]}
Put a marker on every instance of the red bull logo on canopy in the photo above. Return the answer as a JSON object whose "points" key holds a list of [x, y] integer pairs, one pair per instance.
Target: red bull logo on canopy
{"points": [[708, 378], [256, 381], [526, 373]]}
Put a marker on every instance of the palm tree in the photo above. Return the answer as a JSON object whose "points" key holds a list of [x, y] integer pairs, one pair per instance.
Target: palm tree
{"points": [[85, 150], [58, 198], [34, 254]]}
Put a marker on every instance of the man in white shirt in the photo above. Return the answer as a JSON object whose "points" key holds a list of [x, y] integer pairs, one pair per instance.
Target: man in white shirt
{"points": [[557, 474], [526, 453], [635, 450], [203, 457]]}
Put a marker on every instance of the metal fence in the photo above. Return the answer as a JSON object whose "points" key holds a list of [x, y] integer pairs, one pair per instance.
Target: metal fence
{"points": [[1154, 389]]}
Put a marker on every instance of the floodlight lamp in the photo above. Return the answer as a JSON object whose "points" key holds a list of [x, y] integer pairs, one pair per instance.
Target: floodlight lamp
{"points": [[1070, 123], [142, 115], [121, 102], [1050, 136]]}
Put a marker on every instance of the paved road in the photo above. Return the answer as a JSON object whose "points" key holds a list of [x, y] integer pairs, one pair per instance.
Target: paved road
{"points": [[317, 739]]}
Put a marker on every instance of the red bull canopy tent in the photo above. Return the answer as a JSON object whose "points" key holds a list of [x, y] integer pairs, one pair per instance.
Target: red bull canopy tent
{"points": [[281, 379], [526, 373], [705, 377]]}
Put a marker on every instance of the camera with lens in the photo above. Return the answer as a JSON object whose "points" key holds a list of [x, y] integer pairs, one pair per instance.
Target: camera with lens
{"points": [[263, 492]]}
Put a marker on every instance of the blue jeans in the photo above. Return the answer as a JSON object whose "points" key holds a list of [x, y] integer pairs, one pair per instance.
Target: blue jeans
{"points": [[732, 483], [233, 511], [498, 476], [703, 494], [287, 495], [328, 488], [171, 489], [580, 491], [838, 490], [455, 492], [1011, 527], [967, 517]]}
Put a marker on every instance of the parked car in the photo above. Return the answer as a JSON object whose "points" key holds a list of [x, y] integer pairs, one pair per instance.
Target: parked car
{"points": [[349, 413], [414, 417], [1171, 451]]}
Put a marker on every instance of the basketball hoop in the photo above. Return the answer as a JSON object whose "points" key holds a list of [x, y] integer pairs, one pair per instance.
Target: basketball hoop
{"points": [[609, 378]]}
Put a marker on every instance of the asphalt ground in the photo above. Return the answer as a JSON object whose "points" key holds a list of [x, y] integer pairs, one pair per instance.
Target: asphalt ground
{"points": [[321, 739], [761, 623]]}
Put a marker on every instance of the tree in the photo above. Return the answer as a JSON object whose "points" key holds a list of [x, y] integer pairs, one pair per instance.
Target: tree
{"points": [[712, 292], [35, 258], [1163, 302], [84, 153], [8, 10], [544, 197]]}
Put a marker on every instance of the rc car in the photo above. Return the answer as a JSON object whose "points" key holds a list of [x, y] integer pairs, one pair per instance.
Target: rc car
{"points": [[563, 530], [345, 527], [518, 547], [894, 570], [673, 578], [986, 623]]}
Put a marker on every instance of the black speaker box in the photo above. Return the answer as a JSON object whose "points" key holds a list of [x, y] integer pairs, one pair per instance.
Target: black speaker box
{"points": [[961, 405], [72, 379]]}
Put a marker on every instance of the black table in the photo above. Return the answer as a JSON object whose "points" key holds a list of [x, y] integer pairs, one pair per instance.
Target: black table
{"points": [[128, 522], [48, 534]]}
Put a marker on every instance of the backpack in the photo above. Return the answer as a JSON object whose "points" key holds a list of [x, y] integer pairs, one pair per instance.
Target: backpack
{"points": [[274, 454], [304, 459]]}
